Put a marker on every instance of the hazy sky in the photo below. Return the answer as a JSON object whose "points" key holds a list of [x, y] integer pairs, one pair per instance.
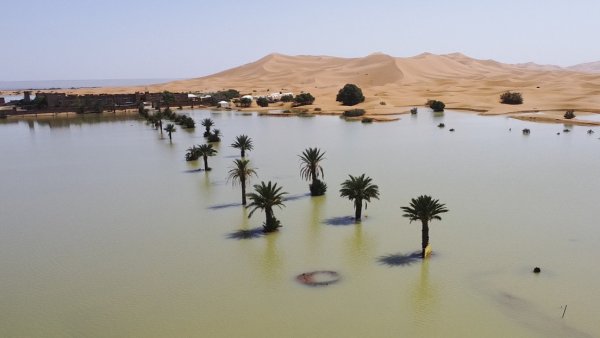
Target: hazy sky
{"points": [[92, 39]]}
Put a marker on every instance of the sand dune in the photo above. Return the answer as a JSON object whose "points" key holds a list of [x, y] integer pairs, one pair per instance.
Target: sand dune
{"points": [[456, 79], [590, 67]]}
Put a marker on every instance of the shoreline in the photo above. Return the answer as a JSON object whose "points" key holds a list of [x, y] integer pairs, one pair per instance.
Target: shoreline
{"points": [[545, 116]]}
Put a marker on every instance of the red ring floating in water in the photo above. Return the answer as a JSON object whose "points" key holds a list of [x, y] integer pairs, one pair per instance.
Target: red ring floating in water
{"points": [[318, 278]]}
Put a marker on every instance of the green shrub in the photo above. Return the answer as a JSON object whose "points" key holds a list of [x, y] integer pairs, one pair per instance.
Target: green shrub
{"points": [[304, 99], [511, 98], [569, 114], [318, 109], [318, 188], [354, 113], [262, 101], [414, 110], [287, 98], [367, 120], [437, 106], [245, 102], [350, 95]]}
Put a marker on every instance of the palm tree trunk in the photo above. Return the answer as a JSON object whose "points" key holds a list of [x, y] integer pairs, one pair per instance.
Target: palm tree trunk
{"points": [[358, 209], [170, 139], [424, 237], [243, 183], [205, 163], [160, 126], [243, 153]]}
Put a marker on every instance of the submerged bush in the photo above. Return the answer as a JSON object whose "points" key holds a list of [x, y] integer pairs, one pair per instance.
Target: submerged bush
{"points": [[318, 188], [271, 225], [367, 120], [354, 113], [437, 106], [215, 136], [511, 98], [569, 114], [414, 110]]}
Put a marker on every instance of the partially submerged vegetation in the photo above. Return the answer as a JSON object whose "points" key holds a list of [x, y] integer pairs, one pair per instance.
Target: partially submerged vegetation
{"points": [[569, 114], [354, 113], [437, 106]]}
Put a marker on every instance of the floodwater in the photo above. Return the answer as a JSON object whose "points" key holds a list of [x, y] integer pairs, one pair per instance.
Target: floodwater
{"points": [[105, 230]]}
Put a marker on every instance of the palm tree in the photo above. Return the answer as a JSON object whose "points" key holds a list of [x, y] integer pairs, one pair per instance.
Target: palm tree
{"points": [[243, 143], [170, 128], [358, 189], [215, 136], [241, 172], [265, 198], [310, 168], [159, 116], [207, 124], [192, 154], [206, 150], [425, 209]]}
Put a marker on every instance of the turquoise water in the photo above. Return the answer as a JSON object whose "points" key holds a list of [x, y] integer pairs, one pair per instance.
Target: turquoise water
{"points": [[106, 231]]}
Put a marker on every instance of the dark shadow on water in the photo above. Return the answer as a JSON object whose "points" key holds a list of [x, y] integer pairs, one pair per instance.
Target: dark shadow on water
{"points": [[400, 259], [246, 234], [193, 171], [340, 221], [224, 206], [296, 197]]}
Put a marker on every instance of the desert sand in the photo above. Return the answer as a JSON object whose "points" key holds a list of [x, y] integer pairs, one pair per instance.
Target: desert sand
{"points": [[392, 85]]}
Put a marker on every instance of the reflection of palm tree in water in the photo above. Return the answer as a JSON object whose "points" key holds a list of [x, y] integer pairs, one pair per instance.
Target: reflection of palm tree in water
{"points": [[315, 221], [272, 260], [206, 182], [360, 246], [424, 297]]}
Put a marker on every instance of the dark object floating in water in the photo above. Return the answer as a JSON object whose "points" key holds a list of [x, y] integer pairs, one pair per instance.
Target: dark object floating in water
{"points": [[452, 129], [526, 131], [318, 278], [557, 133], [590, 132], [566, 130], [537, 270], [441, 125]]}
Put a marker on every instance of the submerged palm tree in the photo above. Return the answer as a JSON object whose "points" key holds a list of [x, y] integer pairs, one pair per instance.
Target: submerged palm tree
{"points": [[215, 136], [425, 209], [311, 168], [207, 124], [170, 128], [265, 198], [243, 143], [192, 154], [358, 189], [241, 172], [159, 116], [206, 150]]}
